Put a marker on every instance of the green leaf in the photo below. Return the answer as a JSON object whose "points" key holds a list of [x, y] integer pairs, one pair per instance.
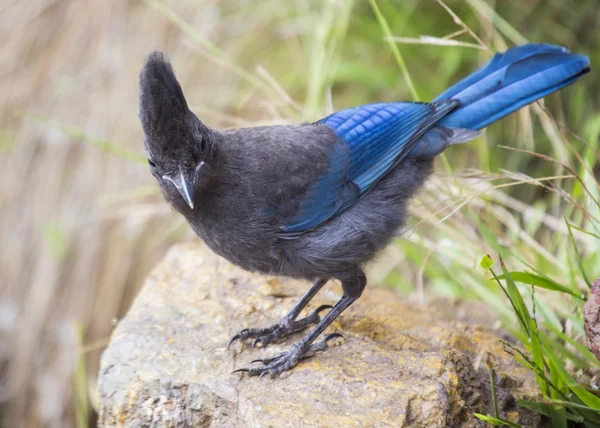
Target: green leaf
{"points": [[586, 354], [537, 355], [579, 259], [541, 282], [546, 410], [516, 299], [564, 352], [584, 395], [579, 229], [572, 405], [496, 421], [493, 387], [558, 416], [486, 262]]}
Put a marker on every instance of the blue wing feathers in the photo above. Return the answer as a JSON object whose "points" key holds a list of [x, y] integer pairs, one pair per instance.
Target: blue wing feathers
{"points": [[374, 138], [409, 131]]}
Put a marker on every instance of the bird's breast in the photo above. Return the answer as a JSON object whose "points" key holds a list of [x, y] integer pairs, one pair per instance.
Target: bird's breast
{"points": [[239, 238]]}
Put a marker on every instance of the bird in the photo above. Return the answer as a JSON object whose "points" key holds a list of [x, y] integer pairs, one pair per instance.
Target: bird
{"points": [[319, 200]]}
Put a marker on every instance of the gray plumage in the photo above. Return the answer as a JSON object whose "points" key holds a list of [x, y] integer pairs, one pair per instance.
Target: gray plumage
{"points": [[254, 171], [318, 201]]}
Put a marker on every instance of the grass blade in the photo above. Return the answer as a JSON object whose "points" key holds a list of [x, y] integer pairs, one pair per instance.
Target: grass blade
{"points": [[500, 23], [584, 395], [541, 282], [395, 51], [496, 421], [516, 299], [579, 259], [546, 410]]}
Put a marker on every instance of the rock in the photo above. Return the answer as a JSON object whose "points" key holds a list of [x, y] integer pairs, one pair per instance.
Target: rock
{"points": [[400, 364]]}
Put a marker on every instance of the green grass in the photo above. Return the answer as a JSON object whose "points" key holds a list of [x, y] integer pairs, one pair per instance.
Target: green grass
{"points": [[545, 354]]}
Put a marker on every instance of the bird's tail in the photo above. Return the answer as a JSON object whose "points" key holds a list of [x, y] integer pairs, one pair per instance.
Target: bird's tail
{"points": [[511, 80]]}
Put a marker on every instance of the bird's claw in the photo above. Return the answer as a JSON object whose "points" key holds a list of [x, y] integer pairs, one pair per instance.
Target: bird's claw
{"points": [[277, 332], [287, 360]]}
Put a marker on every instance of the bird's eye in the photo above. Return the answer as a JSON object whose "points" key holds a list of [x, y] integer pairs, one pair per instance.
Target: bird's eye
{"points": [[152, 164]]}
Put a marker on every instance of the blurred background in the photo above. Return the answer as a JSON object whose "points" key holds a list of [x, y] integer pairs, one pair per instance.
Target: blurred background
{"points": [[82, 221]]}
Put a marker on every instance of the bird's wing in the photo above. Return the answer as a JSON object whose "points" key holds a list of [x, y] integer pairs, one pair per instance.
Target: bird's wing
{"points": [[372, 140]]}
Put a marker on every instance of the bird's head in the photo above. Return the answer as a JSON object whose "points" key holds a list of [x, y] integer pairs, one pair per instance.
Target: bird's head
{"points": [[179, 147]]}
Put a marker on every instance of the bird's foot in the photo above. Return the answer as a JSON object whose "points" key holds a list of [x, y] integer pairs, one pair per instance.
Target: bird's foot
{"points": [[287, 360], [277, 332]]}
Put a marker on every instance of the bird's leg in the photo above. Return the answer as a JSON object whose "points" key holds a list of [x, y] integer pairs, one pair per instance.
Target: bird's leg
{"points": [[288, 324], [305, 348]]}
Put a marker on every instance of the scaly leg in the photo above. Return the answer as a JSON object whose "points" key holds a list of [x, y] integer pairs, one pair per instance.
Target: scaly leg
{"points": [[288, 324], [353, 285]]}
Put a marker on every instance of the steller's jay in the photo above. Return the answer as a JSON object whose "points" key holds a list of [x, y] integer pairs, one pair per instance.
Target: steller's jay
{"points": [[319, 200]]}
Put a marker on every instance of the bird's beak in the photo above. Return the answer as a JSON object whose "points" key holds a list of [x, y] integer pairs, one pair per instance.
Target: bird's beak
{"points": [[184, 186]]}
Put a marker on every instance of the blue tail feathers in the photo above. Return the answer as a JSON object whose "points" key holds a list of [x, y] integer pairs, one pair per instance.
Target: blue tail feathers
{"points": [[510, 81]]}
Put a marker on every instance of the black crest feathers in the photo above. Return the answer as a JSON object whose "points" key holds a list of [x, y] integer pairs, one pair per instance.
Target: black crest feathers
{"points": [[161, 97]]}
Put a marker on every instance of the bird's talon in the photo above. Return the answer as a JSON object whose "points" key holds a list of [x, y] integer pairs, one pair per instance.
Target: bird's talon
{"points": [[284, 361], [322, 308], [277, 332], [233, 339], [313, 317], [333, 336]]}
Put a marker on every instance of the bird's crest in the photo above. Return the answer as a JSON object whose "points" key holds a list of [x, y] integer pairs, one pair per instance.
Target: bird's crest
{"points": [[161, 97]]}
